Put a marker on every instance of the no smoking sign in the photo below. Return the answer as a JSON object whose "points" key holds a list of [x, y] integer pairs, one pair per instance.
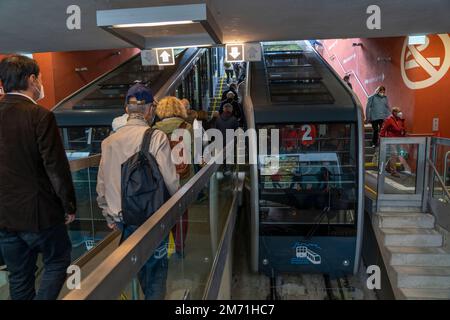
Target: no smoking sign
{"points": [[421, 67]]}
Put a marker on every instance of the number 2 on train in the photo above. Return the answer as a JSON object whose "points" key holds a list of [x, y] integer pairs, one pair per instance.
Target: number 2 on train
{"points": [[309, 134]]}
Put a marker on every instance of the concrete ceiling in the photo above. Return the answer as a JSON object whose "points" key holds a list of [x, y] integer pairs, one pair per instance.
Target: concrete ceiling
{"points": [[40, 25]]}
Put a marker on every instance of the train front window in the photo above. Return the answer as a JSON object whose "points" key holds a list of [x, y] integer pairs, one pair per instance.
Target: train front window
{"points": [[314, 180]]}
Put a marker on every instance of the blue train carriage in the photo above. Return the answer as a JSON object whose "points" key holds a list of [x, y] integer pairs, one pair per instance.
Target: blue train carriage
{"points": [[307, 208]]}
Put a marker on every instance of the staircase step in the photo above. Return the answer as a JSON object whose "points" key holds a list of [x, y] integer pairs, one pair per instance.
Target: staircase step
{"points": [[425, 294], [411, 237], [423, 277], [405, 220], [421, 257], [402, 208]]}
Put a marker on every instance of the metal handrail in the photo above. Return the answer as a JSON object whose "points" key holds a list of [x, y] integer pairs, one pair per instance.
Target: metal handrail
{"points": [[91, 254], [117, 270], [441, 141], [439, 177], [347, 71]]}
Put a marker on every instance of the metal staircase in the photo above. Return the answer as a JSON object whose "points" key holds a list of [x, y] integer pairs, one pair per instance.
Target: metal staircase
{"points": [[370, 161], [215, 101]]}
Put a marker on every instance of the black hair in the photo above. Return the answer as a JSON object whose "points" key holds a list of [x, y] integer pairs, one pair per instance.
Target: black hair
{"points": [[15, 71], [346, 77], [228, 105]]}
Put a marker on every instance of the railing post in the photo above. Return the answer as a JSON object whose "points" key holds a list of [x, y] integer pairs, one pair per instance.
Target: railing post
{"points": [[426, 189], [432, 177], [134, 289], [214, 211]]}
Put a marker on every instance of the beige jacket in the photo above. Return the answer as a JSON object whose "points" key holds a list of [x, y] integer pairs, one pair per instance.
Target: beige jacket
{"points": [[116, 149]]}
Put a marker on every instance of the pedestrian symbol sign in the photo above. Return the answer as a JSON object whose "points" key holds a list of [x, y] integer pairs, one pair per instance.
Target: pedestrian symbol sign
{"points": [[421, 67], [165, 57], [234, 52], [253, 51], [148, 58]]}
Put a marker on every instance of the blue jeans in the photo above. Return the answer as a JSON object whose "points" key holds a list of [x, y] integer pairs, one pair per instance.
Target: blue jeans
{"points": [[20, 251], [153, 275]]}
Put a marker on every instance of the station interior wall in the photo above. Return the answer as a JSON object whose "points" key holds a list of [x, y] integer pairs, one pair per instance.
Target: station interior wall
{"points": [[377, 61], [59, 77]]}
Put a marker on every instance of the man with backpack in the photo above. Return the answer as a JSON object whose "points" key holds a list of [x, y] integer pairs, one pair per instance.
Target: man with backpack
{"points": [[136, 176]]}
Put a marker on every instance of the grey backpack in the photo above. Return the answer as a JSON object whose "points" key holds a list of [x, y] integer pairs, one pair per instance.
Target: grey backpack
{"points": [[143, 188]]}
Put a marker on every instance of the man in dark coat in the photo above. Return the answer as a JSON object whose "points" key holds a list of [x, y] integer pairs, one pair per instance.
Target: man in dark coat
{"points": [[37, 196]]}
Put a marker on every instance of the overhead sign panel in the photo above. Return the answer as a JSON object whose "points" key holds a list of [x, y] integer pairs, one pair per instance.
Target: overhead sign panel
{"points": [[166, 57], [148, 58], [252, 51], [158, 57], [234, 52]]}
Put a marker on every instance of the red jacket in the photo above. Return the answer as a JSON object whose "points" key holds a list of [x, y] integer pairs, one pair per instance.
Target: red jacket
{"points": [[393, 127]]}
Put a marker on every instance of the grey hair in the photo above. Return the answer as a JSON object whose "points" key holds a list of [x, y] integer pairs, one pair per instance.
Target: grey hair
{"points": [[138, 108], [230, 95]]}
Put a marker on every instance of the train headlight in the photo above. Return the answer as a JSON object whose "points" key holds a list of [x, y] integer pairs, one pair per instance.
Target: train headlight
{"points": [[346, 263], [265, 262]]}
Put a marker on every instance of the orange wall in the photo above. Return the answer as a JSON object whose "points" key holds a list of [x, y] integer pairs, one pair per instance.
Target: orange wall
{"points": [[67, 80], [45, 62], [58, 70], [379, 61]]}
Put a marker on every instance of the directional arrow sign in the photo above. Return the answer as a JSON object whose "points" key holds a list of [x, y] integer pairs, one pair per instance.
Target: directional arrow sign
{"points": [[235, 52], [165, 57]]}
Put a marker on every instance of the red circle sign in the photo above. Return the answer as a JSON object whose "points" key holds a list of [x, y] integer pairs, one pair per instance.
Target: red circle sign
{"points": [[309, 134]]}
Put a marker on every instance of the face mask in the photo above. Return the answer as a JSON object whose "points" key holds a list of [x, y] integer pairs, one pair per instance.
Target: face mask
{"points": [[400, 115], [381, 94], [41, 93]]}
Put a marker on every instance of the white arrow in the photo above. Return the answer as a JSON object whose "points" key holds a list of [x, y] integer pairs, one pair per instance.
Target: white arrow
{"points": [[235, 52], [165, 56]]}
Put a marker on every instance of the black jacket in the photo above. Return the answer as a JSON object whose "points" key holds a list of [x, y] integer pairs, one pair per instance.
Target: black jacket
{"points": [[36, 188], [237, 108], [226, 121]]}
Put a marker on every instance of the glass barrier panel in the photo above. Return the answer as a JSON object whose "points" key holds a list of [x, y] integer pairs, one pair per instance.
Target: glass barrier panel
{"points": [[442, 164], [400, 168], [89, 226], [187, 257]]}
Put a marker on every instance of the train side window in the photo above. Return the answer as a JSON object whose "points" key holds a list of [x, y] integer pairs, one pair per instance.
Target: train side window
{"points": [[316, 170]]}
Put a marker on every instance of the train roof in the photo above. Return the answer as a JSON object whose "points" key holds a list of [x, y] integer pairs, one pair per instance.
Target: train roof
{"points": [[299, 86]]}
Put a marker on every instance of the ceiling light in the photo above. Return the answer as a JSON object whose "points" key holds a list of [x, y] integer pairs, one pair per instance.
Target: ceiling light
{"points": [[412, 40], [152, 24]]}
